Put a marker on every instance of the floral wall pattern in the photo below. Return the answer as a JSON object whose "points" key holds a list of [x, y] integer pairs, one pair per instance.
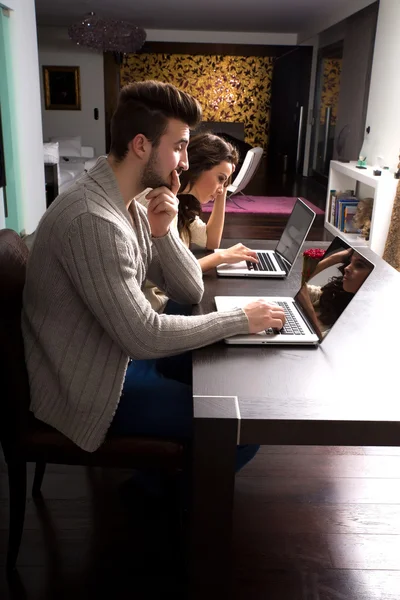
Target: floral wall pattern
{"points": [[330, 88], [229, 88]]}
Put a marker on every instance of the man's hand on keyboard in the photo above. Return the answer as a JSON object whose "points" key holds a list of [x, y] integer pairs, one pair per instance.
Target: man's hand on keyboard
{"points": [[236, 254], [262, 315]]}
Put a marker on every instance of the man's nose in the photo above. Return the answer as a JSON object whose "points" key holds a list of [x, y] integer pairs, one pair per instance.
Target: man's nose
{"points": [[184, 161]]}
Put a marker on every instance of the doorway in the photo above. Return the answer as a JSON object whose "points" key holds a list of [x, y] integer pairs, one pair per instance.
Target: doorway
{"points": [[326, 104], [289, 108]]}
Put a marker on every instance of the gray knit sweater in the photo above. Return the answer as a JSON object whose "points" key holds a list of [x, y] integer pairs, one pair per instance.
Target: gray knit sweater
{"points": [[84, 312]]}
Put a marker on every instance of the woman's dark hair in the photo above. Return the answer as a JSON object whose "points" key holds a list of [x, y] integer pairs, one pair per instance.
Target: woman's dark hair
{"points": [[205, 151], [145, 107], [334, 299]]}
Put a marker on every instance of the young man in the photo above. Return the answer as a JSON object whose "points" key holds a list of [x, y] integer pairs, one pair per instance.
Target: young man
{"points": [[84, 313]]}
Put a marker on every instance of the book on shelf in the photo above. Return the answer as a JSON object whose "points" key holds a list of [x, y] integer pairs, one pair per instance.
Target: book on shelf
{"points": [[334, 200], [332, 205], [348, 225], [341, 205]]}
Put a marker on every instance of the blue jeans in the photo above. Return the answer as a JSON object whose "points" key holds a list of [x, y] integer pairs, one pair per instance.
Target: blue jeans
{"points": [[157, 400]]}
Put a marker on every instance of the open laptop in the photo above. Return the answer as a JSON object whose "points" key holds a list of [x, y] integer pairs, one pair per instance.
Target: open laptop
{"points": [[278, 262], [310, 315]]}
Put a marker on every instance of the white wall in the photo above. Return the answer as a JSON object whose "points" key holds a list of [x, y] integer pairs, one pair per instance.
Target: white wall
{"points": [[332, 35], [27, 98], [11, 4], [384, 94], [337, 14], [221, 37], [56, 49]]}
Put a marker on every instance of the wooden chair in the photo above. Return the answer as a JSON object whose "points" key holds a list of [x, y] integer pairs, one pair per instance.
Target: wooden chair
{"points": [[25, 439]]}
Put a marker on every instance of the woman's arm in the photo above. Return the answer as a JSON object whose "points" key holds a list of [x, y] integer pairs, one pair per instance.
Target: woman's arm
{"points": [[332, 259], [215, 223], [229, 256]]}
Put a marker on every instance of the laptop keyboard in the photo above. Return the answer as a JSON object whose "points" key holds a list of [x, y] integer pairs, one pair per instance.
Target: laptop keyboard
{"points": [[264, 263], [291, 326]]}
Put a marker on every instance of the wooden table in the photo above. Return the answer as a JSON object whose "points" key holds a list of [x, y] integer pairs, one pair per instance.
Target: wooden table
{"points": [[343, 393]]}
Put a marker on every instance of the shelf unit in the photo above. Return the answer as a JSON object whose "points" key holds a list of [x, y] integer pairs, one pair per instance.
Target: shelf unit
{"points": [[346, 176]]}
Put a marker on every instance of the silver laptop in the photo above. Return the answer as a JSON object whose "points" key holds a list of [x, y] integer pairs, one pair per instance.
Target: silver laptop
{"points": [[278, 262], [315, 309]]}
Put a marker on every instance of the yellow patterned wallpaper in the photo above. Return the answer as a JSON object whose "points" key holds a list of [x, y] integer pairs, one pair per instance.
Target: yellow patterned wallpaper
{"points": [[330, 88], [229, 88]]}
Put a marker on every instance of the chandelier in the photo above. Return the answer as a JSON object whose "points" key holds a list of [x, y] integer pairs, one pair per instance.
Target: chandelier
{"points": [[107, 35]]}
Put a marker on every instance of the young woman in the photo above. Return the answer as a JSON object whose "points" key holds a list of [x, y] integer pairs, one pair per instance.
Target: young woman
{"points": [[212, 162], [326, 303]]}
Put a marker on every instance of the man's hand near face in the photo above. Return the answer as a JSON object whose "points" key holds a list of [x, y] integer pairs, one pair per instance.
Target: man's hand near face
{"points": [[163, 207]]}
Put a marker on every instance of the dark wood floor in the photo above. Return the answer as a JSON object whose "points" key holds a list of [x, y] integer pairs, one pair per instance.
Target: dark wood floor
{"points": [[311, 523]]}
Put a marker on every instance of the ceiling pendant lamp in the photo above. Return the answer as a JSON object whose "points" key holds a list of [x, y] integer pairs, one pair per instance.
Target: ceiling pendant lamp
{"points": [[107, 35]]}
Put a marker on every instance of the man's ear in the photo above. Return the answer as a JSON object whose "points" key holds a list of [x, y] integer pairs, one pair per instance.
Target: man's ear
{"points": [[140, 146]]}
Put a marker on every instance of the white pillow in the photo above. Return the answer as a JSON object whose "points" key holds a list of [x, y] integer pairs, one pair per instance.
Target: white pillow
{"points": [[90, 163], [51, 153], [69, 146]]}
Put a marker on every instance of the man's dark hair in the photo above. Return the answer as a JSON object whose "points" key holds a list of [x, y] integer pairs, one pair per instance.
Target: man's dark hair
{"points": [[145, 107]]}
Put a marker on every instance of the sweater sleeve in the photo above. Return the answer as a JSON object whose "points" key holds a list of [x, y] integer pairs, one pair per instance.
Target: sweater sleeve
{"points": [[175, 270], [104, 274], [183, 284]]}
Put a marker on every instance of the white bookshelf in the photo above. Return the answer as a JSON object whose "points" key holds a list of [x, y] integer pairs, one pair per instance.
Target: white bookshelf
{"points": [[345, 176]]}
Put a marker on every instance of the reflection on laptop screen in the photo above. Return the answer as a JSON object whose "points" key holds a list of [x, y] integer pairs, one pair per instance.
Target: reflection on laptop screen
{"points": [[293, 236], [334, 283]]}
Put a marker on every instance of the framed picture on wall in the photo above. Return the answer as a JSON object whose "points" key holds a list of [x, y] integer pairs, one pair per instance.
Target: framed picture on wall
{"points": [[62, 88]]}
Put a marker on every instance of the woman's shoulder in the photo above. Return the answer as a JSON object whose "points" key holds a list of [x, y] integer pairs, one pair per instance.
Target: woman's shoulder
{"points": [[315, 292], [198, 232], [197, 224]]}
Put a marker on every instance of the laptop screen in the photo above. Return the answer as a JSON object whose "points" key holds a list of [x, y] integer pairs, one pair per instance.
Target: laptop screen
{"points": [[295, 231], [333, 284]]}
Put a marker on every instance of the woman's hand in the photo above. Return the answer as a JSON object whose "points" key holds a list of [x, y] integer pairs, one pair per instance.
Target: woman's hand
{"points": [[236, 254], [221, 197], [215, 224], [340, 257], [229, 256]]}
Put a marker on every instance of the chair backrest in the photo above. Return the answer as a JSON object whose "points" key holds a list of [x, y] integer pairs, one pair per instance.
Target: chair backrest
{"points": [[249, 167], [14, 392]]}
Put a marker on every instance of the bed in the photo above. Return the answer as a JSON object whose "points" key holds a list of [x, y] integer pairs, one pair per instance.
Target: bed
{"points": [[69, 170]]}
